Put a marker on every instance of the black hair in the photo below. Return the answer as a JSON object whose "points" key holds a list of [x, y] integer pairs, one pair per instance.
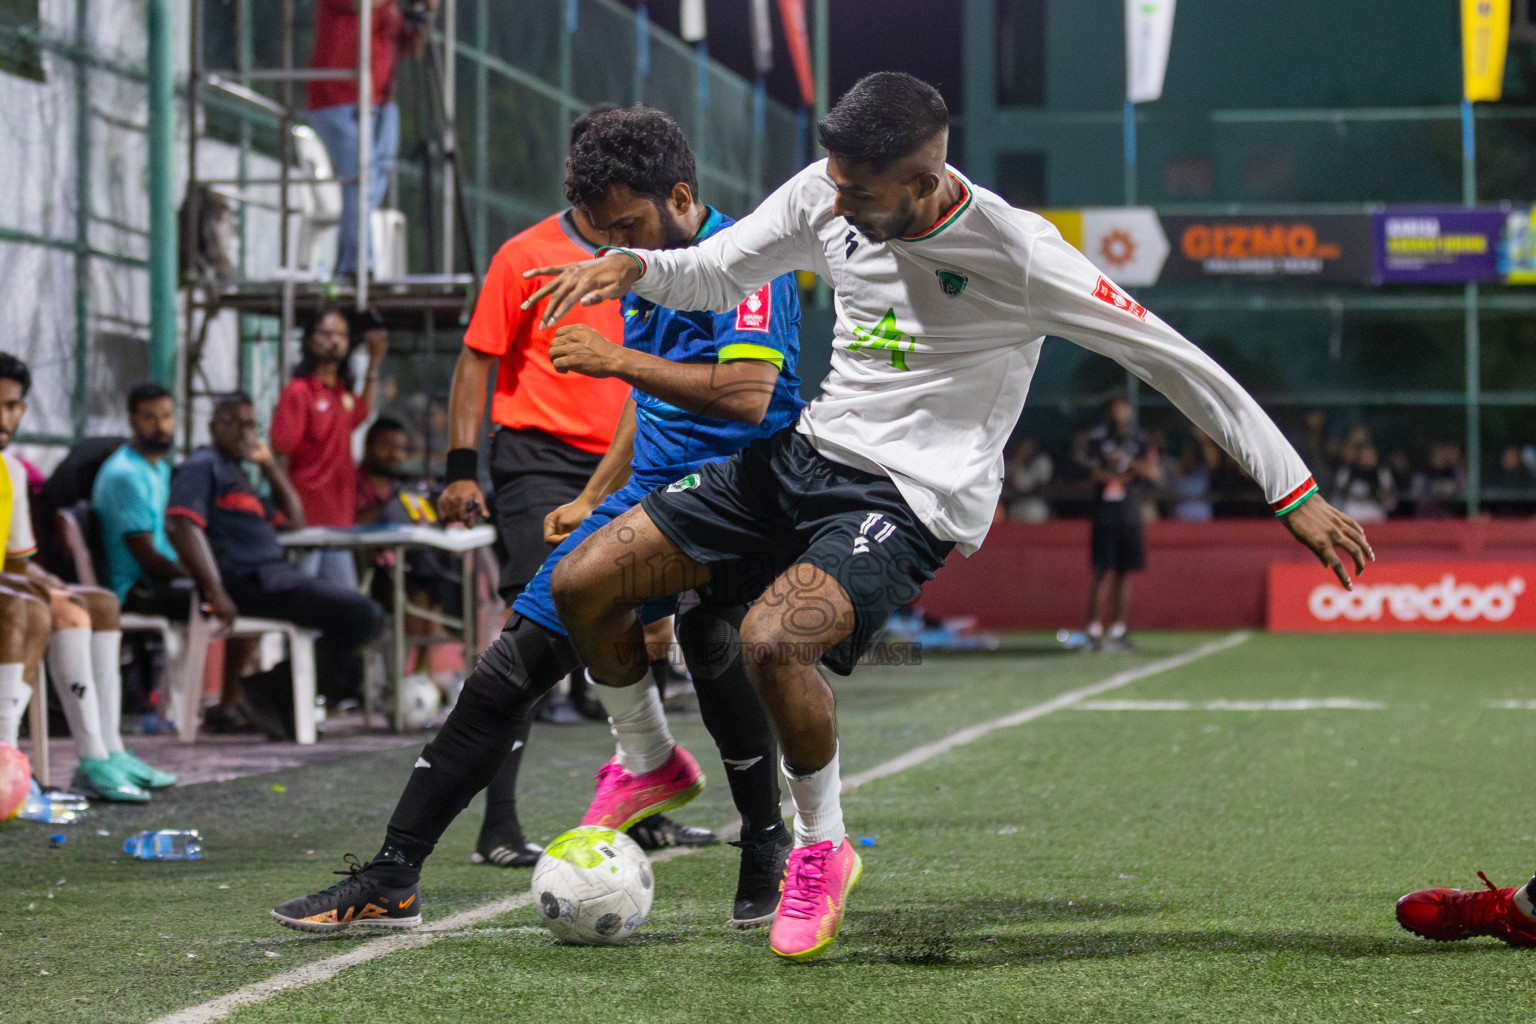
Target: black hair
{"points": [[306, 364], [230, 400], [638, 147], [885, 116], [581, 124], [14, 369], [147, 391], [383, 425]]}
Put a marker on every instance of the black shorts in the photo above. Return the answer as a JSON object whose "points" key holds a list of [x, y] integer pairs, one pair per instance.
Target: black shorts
{"points": [[779, 502], [532, 474], [1118, 545]]}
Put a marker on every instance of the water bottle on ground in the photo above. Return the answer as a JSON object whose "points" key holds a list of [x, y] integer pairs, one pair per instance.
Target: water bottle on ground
{"points": [[53, 808], [165, 844]]}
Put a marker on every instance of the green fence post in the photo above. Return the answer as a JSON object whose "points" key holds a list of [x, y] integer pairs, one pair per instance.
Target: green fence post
{"points": [[162, 204]]}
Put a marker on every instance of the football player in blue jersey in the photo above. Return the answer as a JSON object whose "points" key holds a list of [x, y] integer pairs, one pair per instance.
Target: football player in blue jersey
{"points": [[705, 385]]}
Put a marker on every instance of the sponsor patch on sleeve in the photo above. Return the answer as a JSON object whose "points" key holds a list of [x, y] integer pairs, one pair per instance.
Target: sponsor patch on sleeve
{"points": [[755, 313], [1106, 292]]}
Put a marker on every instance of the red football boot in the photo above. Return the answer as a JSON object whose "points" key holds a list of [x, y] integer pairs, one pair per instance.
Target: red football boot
{"points": [[1449, 915]]}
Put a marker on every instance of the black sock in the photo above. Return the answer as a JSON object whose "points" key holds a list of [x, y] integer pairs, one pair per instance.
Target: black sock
{"points": [[501, 827], [732, 713], [516, 670]]}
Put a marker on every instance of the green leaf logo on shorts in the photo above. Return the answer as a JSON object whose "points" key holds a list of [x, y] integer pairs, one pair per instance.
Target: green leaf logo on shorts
{"points": [[691, 480], [952, 283]]}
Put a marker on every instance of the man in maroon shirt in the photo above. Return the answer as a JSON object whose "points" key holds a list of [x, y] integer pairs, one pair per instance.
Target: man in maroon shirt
{"points": [[312, 432], [333, 105]]}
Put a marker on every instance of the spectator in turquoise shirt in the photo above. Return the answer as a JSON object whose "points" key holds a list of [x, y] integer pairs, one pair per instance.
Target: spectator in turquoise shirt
{"points": [[129, 498]]}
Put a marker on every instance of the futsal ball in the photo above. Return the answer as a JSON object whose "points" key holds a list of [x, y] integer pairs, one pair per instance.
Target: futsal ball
{"points": [[423, 700], [593, 887], [16, 779]]}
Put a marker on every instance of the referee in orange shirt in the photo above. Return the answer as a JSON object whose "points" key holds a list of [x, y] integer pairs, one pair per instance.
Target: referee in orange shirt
{"points": [[552, 430]]}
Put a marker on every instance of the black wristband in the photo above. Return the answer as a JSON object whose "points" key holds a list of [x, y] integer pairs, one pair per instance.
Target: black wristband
{"points": [[463, 464]]}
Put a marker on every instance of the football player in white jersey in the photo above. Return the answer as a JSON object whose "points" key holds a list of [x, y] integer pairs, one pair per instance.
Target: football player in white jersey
{"points": [[944, 294]]}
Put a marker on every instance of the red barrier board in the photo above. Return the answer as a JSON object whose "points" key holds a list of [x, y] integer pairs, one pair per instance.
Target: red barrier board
{"points": [[1406, 597]]}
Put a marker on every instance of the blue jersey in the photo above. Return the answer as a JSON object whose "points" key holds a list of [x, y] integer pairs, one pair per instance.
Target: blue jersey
{"points": [[670, 442]]}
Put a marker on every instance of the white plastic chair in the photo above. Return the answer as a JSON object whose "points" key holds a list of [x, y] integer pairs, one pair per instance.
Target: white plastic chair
{"points": [[187, 697], [73, 533]]}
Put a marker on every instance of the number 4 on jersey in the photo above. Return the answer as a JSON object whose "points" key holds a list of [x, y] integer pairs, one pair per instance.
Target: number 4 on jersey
{"points": [[885, 335]]}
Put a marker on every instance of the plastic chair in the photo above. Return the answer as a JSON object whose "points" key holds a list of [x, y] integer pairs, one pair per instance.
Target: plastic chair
{"points": [[187, 697]]}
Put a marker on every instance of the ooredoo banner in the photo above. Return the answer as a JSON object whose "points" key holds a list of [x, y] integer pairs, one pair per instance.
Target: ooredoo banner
{"points": [[1478, 597]]}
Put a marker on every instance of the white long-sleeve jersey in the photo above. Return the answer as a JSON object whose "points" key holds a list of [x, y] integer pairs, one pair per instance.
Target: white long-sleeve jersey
{"points": [[938, 335]]}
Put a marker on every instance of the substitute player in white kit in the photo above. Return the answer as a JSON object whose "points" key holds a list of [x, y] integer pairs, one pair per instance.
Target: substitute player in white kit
{"points": [[944, 294]]}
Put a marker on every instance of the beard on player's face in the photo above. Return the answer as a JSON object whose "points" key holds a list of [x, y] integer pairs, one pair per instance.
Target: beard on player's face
{"points": [[882, 225]]}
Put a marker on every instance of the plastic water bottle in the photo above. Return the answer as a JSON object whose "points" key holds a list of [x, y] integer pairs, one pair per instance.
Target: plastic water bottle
{"points": [[53, 808], [165, 844]]}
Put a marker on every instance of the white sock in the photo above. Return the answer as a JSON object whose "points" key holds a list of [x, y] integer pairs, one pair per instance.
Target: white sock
{"points": [[14, 695], [107, 668], [1523, 901], [1117, 630], [639, 724], [818, 803], [69, 665], [1095, 629]]}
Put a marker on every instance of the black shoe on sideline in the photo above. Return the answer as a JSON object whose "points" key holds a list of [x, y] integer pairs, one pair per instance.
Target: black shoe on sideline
{"points": [[763, 856], [659, 832], [360, 899]]}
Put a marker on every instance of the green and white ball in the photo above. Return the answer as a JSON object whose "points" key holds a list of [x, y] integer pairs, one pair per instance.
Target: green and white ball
{"points": [[593, 887]]}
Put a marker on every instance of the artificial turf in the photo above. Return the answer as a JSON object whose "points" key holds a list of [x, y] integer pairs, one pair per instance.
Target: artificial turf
{"points": [[1088, 866]]}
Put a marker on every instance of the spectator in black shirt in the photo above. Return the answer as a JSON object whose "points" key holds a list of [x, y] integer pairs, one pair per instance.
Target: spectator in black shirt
{"points": [[1123, 465], [226, 536]]}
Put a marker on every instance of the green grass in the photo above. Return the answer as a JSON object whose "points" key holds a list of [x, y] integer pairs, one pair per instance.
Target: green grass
{"points": [[1088, 866]]}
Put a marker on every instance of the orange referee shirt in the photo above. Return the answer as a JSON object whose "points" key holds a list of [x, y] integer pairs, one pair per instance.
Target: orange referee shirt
{"points": [[581, 411]]}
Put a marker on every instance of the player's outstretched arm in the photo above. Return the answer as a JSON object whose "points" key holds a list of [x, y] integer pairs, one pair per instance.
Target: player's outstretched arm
{"points": [[608, 276], [1325, 529]]}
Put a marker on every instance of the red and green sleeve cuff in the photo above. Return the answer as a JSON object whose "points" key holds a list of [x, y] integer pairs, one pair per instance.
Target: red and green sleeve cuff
{"points": [[632, 255], [1292, 501]]}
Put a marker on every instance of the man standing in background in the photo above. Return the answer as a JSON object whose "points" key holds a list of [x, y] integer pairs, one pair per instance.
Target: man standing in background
{"points": [[1122, 464], [333, 103]]}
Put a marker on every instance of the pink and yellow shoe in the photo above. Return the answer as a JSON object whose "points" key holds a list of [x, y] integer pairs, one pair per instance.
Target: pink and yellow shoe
{"points": [[624, 798], [816, 884]]}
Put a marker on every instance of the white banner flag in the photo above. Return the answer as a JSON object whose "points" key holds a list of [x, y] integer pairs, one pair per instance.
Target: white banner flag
{"points": [[762, 37], [1148, 32], [691, 24]]}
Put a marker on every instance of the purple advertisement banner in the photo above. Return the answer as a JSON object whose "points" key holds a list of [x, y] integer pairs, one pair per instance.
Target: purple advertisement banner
{"points": [[1437, 246]]}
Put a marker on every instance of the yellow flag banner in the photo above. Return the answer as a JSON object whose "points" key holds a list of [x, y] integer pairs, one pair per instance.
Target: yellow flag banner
{"points": [[1484, 41]]}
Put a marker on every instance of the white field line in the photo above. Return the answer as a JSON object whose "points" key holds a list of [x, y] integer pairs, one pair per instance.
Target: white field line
{"points": [[927, 752], [1299, 704], [324, 970]]}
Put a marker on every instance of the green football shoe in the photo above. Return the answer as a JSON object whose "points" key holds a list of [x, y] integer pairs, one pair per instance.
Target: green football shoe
{"points": [[141, 773], [100, 779]]}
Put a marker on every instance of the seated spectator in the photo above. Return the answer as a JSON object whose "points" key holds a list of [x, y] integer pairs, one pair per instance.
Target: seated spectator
{"points": [[385, 449], [1438, 491], [1025, 479], [1512, 483], [312, 432], [1365, 488], [84, 642], [129, 498], [1190, 487], [226, 536]]}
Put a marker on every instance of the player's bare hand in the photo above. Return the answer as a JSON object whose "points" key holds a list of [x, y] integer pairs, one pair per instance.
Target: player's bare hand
{"points": [[587, 283], [560, 523], [1325, 530], [580, 348], [454, 504]]}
